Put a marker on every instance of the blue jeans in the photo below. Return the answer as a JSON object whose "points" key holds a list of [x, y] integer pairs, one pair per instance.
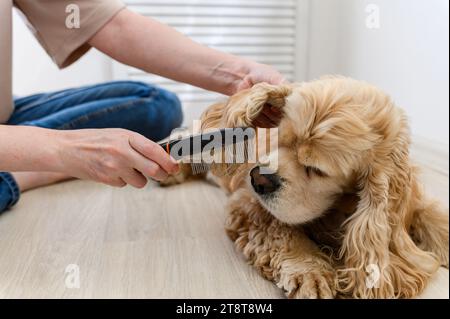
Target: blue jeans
{"points": [[146, 109]]}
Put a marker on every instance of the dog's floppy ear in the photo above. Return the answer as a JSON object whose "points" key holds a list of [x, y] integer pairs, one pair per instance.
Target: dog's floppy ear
{"points": [[379, 258], [243, 108]]}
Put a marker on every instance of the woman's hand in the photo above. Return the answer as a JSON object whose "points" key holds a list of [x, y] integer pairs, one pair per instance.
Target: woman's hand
{"points": [[114, 156], [256, 73]]}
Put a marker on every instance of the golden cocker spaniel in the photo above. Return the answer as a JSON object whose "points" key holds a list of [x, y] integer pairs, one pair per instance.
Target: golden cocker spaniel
{"points": [[343, 213]]}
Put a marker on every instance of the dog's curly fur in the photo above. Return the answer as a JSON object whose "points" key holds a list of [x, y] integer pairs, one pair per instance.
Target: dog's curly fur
{"points": [[362, 205]]}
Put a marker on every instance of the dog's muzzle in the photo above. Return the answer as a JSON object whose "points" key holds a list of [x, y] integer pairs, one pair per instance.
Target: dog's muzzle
{"points": [[264, 184]]}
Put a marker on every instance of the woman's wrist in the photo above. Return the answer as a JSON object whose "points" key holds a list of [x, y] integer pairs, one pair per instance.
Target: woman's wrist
{"points": [[60, 145], [246, 69], [228, 74]]}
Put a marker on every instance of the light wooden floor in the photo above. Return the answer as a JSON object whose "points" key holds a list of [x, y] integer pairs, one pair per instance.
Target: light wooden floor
{"points": [[152, 243]]}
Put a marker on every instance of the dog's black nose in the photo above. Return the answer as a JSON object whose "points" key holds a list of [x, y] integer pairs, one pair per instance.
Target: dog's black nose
{"points": [[264, 183]]}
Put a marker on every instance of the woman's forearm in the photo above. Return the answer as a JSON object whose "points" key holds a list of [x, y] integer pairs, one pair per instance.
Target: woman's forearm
{"points": [[156, 48], [25, 148]]}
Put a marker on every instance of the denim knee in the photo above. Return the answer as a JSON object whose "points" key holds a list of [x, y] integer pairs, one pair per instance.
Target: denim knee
{"points": [[174, 109], [9, 191], [164, 114]]}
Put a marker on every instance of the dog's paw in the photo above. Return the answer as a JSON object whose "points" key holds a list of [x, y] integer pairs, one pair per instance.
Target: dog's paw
{"points": [[184, 174], [311, 285], [173, 180]]}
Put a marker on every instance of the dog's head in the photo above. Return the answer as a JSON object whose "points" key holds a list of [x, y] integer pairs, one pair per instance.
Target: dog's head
{"points": [[329, 137]]}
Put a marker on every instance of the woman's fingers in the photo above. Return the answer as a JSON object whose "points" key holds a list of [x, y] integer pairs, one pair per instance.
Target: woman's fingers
{"points": [[157, 172], [134, 178], [155, 154], [116, 182], [147, 167]]}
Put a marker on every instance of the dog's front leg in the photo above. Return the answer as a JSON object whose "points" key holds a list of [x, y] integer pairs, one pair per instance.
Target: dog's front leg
{"points": [[282, 254]]}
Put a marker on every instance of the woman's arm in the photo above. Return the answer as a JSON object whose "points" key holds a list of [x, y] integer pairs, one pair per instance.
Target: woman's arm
{"points": [[159, 49], [112, 156], [26, 148]]}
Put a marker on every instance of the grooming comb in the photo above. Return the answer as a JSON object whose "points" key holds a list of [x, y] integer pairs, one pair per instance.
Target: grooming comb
{"points": [[229, 145]]}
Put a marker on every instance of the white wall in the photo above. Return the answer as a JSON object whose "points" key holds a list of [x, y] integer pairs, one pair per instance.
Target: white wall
{"points": [[35, 72], [408, 56]]}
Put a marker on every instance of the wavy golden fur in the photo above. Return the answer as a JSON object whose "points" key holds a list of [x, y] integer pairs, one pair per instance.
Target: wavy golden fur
{"points": [[350, 198]]}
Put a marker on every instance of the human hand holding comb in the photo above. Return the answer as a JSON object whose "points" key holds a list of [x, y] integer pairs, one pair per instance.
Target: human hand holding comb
{"points": [[115, 157]]}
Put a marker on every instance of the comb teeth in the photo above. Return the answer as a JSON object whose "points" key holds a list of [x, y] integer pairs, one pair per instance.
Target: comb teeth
{"points": [[244, 152], [229, 153], [218, 156], [239, 153], [250, 151], [199, 168]]}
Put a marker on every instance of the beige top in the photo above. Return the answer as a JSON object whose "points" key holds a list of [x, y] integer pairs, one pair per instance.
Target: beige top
{"points": [[52, 23]]}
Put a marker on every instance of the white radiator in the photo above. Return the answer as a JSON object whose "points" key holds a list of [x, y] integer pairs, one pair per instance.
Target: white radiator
{"points": [[262, 30]]}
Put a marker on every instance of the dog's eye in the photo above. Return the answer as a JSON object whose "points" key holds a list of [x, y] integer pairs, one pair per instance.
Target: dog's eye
{"points": [[314, 171]]}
